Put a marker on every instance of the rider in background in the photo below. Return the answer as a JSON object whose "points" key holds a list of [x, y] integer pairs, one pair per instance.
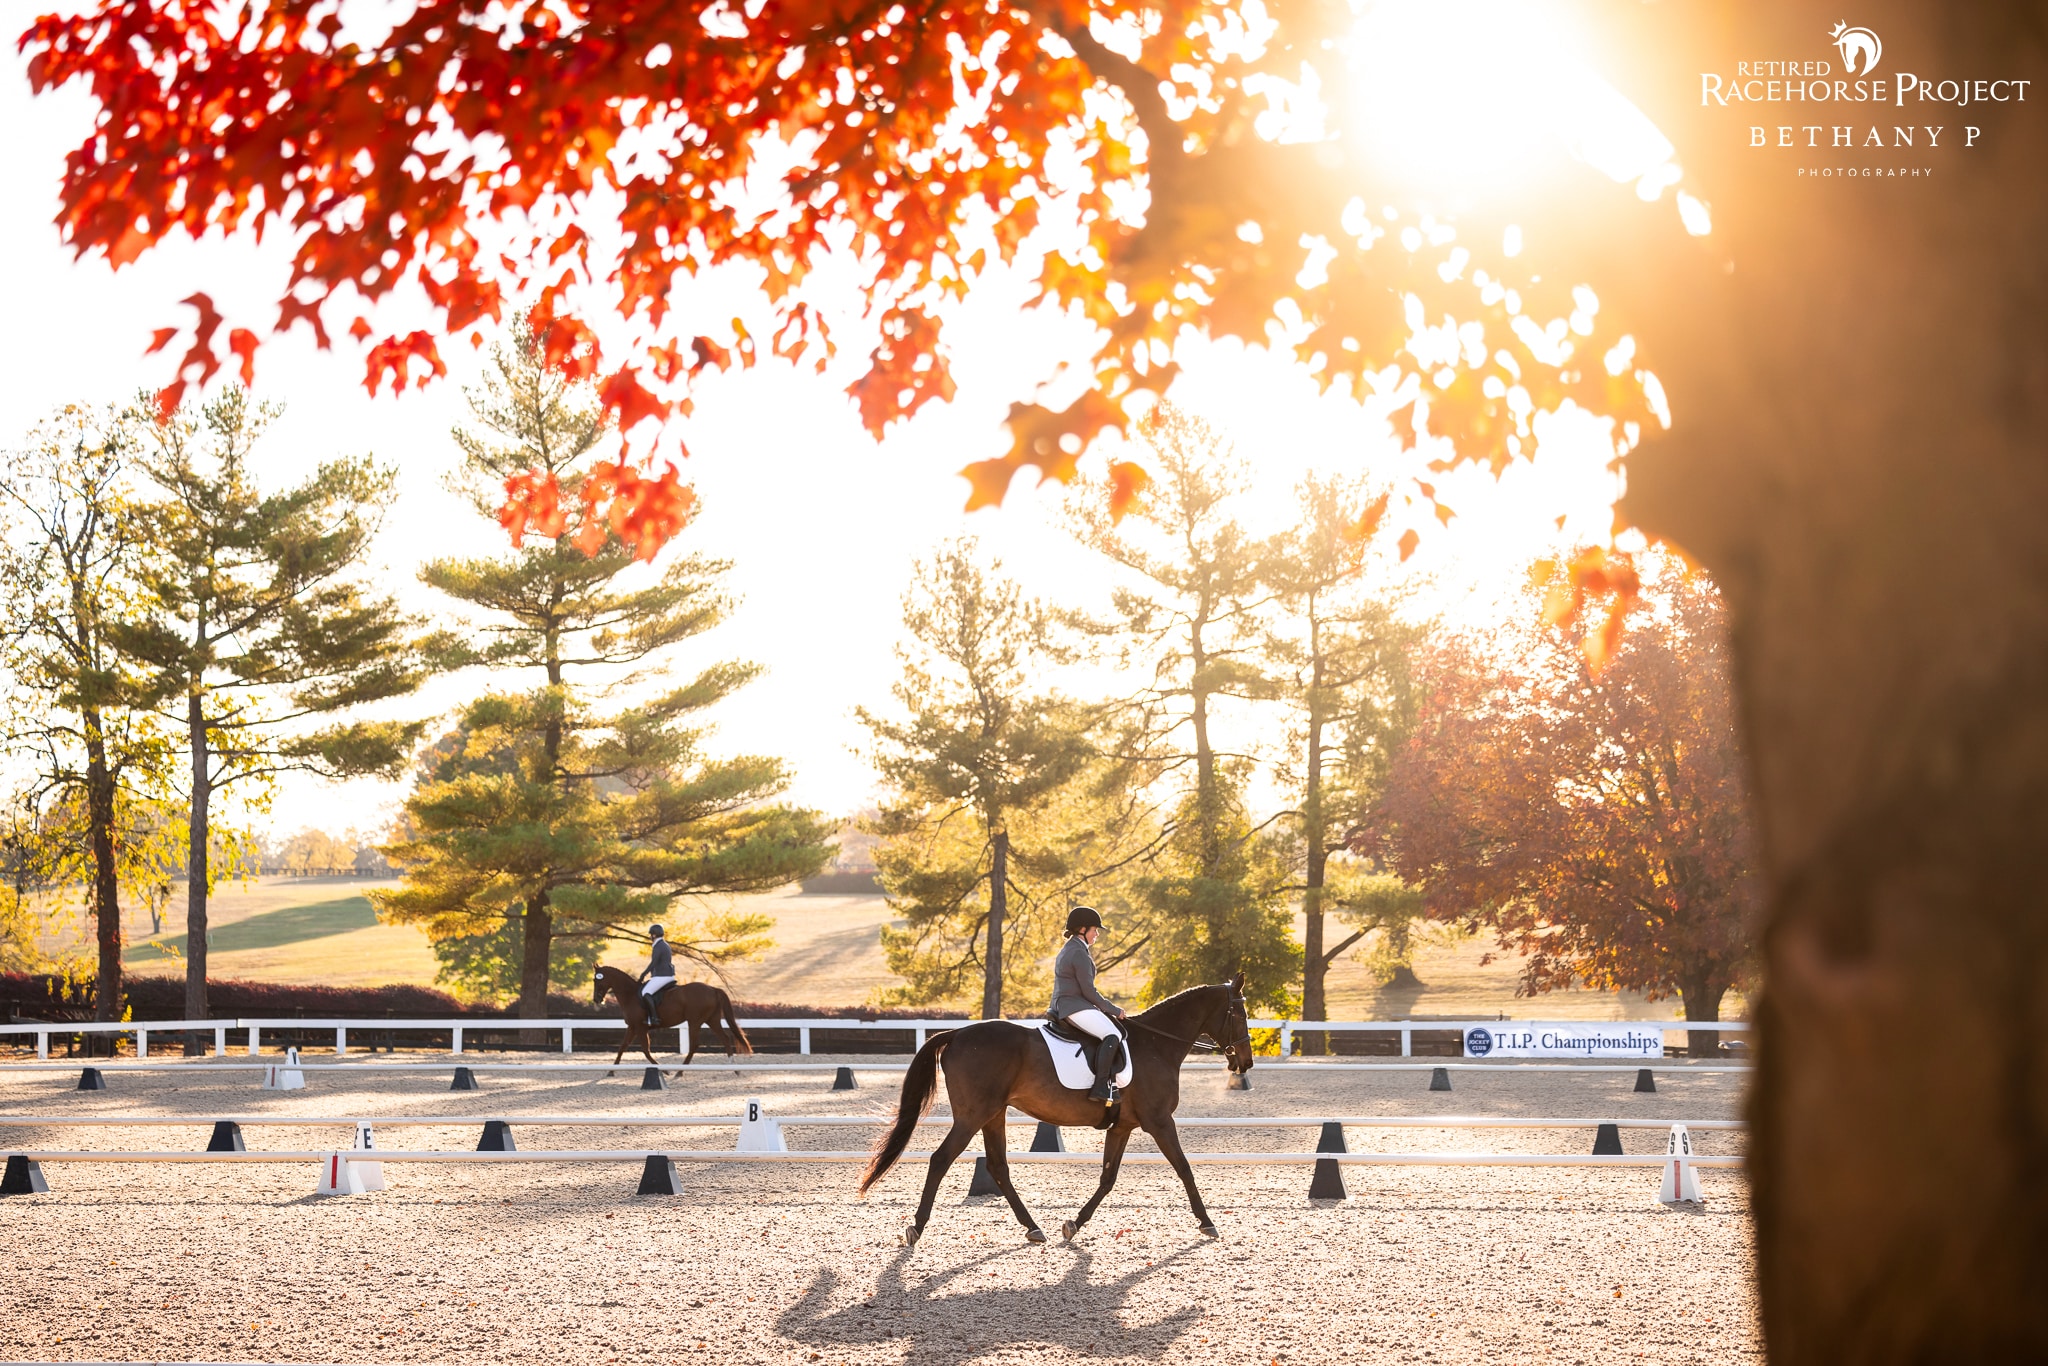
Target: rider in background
{"points": [[1076, 1001], [660, 973]]}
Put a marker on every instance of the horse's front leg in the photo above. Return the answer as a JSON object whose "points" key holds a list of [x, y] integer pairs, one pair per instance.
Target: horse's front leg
{"points": [[624, 1039], [690, 1029], [647, 1040], [1168, 1139], [1113, 1144], [956, 1143]]}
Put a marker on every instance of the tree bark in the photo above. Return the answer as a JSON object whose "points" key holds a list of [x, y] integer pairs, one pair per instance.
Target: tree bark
{"points": [[1858, 375], [998, 905], [536, 937], [196, 1007], [106, 885], [1315, 963], [1702, 1000]]}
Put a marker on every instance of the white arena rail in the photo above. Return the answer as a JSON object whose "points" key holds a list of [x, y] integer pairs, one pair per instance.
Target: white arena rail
{"points": [[1440, 1159], [798, 1121], [919, 1029]]}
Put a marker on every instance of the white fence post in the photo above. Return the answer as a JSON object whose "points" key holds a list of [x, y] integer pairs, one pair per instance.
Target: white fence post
{"points": [[920, 1038], [1287, 1038], [255, 1039], [568, 1031], [43, 1044], [803, 1039], [341, 1041], [1407, 1042], [220, 1041], [457, 1040], [141, 1042]]}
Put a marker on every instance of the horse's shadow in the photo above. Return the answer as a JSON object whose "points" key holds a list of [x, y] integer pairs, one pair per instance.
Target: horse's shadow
{"points": [[1077, 1316]]}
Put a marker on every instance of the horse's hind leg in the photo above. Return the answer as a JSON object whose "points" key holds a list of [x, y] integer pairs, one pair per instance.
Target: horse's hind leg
{"points": [[1168, 1139], [956, 1141], [995, 1140], [1113, 1144]]}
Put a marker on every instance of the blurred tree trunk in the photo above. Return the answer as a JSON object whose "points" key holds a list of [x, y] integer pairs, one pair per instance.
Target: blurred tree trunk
{"points": [[1858, 371]]}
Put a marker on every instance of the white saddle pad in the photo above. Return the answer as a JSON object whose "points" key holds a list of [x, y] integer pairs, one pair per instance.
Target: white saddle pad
{"points": [[1072, 1062]]}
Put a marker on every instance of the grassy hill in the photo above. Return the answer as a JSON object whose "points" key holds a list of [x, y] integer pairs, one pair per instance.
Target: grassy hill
{"points": [[828, 952]]}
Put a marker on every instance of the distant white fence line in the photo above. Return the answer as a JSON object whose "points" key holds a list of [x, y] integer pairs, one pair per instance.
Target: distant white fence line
{"points": [[568, 1029]]}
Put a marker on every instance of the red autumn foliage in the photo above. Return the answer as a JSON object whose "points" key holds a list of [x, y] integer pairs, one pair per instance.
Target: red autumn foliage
{"points": [[601, 153], [1599, 826]]}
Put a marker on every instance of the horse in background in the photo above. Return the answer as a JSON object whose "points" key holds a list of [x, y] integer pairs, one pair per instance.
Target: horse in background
{"points": [[686, 1005]]}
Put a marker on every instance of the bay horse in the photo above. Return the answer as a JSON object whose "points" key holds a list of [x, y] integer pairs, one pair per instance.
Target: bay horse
{"points": [[992, 1065], [686, 1004]]}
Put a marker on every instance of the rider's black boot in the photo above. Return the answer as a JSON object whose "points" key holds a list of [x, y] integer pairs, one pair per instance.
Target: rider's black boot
{"points": [[1109, 1060]]}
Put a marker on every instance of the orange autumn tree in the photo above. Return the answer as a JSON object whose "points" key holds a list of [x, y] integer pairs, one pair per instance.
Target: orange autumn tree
{"points": [[1598, 826], [597, 155]]}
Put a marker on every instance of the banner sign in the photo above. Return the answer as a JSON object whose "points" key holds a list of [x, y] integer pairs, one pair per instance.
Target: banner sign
{"points": [[1510, 1040]]}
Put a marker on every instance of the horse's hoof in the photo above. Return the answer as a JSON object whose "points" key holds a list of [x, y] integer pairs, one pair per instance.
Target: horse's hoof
{"points": [[1069, 1229], [1034, 1235], [911, 1235], [1209, 1231]]}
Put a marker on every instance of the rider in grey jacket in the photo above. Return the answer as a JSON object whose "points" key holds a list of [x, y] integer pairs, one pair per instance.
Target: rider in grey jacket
{"points": [[1076, 1001]]}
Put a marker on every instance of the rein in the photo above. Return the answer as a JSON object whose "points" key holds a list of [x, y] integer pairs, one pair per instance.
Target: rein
{"points": [[1198, 1043]]}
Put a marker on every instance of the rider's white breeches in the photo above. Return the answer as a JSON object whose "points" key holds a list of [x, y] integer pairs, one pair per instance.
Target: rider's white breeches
{"points": [[1093, 1022], [655, 984]]}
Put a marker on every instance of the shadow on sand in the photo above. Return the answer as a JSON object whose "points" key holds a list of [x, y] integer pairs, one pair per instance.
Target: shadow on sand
{"points": [[943, 1318]]}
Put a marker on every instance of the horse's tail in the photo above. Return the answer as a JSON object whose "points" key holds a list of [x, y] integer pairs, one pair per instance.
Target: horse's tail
{"points": [[919, 1082], [732, 1023]]}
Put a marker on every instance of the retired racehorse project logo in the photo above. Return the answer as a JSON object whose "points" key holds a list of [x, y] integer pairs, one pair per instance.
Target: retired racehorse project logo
{"points": [[1854, 41]]}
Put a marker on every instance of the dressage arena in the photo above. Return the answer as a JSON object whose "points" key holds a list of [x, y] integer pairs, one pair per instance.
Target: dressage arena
{"points": [[776, 1261]]}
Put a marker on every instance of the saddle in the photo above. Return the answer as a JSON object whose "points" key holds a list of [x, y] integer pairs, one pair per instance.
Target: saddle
{"points": [[1091, 1047]]}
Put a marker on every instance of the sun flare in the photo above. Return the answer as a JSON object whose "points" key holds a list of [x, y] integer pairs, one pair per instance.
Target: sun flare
{"points": [[1473, 98]]}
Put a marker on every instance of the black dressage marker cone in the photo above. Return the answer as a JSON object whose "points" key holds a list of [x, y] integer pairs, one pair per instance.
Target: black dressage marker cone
{"points": [[651, 1079], [1607, 1141], [1328, 1182], [1646, 1081], [1048, 1139], [497, 1138], [23, 1177], [465, 1080], [659, 1177], [842, 1080], [92, 1079], [1238, 1081], [227, 1137], [1439, 1078], [983, 1183]]}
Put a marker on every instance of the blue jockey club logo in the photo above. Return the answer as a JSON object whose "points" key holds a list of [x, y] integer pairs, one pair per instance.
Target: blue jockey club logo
{"points": [[1478, 1042]]}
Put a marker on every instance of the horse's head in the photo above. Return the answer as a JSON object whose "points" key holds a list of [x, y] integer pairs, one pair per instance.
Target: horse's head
{"points": [[599, 984], [1231, 1028]]}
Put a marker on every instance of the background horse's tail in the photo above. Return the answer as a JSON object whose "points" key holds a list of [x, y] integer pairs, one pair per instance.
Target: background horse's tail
{"points": [[739, 1036], [919, 1082]]}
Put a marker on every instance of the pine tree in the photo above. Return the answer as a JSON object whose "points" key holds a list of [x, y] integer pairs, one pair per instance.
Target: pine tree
{"points": [[254, 624], [972, 770], [1187, 619], [1338, 654], [548, 810]]}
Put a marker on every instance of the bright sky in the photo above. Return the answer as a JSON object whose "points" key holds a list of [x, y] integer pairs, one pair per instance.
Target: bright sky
{"points": [[821, 522]]}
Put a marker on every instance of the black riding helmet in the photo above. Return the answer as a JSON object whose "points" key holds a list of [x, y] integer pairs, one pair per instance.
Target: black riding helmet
{"points": [[654, 931], [1082, 918]]}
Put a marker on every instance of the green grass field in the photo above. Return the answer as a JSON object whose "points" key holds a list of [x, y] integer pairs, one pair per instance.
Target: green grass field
{"points": [[827, 952]]}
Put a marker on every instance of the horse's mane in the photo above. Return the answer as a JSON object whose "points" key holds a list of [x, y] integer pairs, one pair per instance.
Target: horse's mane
{"points": [[1182, 996]]}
